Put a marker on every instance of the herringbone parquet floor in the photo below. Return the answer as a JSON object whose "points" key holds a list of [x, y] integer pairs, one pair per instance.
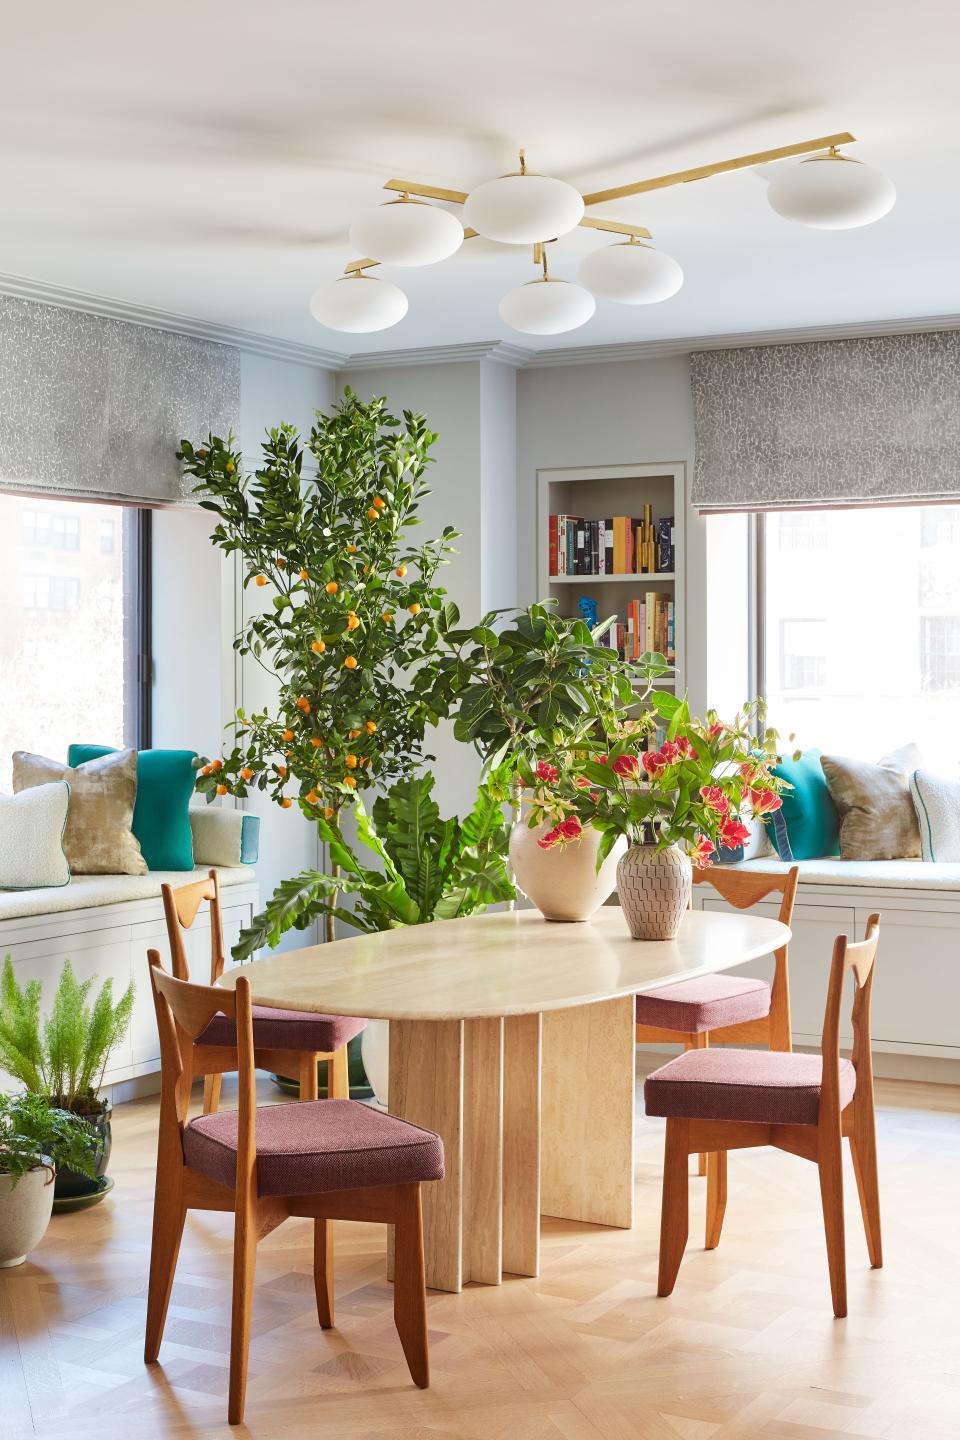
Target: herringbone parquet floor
{"points": [[747, 1346]]}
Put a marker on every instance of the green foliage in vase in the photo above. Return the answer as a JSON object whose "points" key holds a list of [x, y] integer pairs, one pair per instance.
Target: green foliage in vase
{"points": [[35, 1135], [352, 610], [429, 868], [64, 1057]]}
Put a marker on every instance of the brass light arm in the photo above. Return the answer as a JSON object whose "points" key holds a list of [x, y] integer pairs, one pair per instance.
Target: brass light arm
{"points": [[703, 172]]}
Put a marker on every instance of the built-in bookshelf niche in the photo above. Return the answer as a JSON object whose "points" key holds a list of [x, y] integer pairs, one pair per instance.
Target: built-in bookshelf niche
{"points": [[648, 603]]}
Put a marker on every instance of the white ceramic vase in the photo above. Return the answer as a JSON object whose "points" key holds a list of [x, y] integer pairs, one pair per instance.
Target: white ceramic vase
{"points": [[654, 888], [563, 882], [25, 1209], [375, 1050]]}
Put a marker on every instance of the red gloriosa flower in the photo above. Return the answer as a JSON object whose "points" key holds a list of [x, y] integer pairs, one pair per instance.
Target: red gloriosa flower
{"points": [[714, 799], [626, 765], [546, 771], [732, 834], [762, 802]]}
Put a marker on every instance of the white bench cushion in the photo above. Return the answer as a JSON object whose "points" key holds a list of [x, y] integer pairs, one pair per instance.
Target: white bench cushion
{"points": [[85, 891], [875, 874]]}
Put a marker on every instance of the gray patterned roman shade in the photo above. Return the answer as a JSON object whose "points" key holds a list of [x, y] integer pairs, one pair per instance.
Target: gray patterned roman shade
{"points": [[96, 407], [862, 421]]}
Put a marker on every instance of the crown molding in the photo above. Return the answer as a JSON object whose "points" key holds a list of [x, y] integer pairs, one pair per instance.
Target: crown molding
{"points": [[497, 350], [739, 340], [22, 287], [501, 352]]}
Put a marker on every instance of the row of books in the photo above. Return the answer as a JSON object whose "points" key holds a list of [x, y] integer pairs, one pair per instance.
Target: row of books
{"points": [[649, 625], [619, 545]]}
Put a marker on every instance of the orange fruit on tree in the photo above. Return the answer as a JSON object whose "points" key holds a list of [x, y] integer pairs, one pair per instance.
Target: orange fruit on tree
{"points": [[312, 798], [351, 762], [260, 580], [230, 467], [414, 608], [351, 549], [328, 812], [352, 621], [221, 789], [303, 704], [246, 773], [217, 765], [371, 727], [350, 663], [316, 742], [331, 587], [206, 770], [304, 575], [282, 771], [378, 503], [352, 734], [201, 454], [281, 563], [349, 780], [401, 571], [362, 761], [387, 616], [373, 514], [318, 647], [287, 735], [286, 802]]}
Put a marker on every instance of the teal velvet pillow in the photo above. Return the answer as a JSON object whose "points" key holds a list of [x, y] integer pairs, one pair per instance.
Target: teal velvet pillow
{"points": [[161, 819], [807, 825]]}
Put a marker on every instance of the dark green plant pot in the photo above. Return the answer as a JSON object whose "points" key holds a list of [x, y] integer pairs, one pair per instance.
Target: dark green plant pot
{"points": [[360, 1088], [70, 1183]]}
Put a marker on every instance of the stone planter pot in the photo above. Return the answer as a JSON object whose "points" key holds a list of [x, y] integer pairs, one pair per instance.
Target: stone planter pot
{"points": [[70, 1183], [375, 1048], [25, 1210], [563, 883], [654, 888]]}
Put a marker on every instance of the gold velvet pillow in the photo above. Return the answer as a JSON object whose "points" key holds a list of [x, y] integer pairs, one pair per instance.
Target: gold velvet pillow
{"points": [[877, 817], [98, 839]]}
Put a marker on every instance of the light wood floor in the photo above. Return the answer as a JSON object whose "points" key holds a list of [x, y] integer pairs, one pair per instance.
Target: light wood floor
{"points": [[746, 1347]]}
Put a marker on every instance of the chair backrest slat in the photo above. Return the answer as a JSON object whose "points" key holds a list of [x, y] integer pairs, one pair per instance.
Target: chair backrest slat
{"points": [[744, 888], [181, 906], [858, 957]]}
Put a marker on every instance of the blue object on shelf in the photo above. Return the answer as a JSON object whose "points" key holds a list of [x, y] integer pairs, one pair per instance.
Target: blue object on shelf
{"points": [[588, 611]]}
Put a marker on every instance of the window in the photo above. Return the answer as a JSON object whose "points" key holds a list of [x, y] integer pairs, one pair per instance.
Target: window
{"points": [[858, 628], [72, 625]]}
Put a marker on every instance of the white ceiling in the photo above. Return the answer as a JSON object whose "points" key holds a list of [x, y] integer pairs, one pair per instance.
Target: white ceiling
{"points": [[206, 158]]}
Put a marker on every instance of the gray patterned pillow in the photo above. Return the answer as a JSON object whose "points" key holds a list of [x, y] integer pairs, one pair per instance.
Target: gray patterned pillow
{"points": [[98, 839], [877, 817]]}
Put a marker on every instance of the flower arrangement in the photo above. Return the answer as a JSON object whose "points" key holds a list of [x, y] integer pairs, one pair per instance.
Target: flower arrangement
{"points": [[665, 778]]}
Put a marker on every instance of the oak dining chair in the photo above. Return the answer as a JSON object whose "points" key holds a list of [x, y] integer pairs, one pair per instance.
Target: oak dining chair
{"points": [[727, 1009], [320, 1159], [720, 1100], [284, 1040]]}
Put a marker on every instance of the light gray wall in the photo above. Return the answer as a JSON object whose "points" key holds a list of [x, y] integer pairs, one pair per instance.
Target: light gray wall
{"points": [[620, 413]]}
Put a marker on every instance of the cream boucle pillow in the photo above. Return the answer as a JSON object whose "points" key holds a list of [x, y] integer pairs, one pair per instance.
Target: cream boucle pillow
{"points": [[31, 838], [98, 839]]}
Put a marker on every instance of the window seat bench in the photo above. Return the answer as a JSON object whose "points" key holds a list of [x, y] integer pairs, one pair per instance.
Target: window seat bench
{"points": [[104, 924], [916, 997]]}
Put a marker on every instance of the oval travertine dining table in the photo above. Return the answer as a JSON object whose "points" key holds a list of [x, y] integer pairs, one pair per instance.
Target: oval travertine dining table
{"points": [[513, 1038]]}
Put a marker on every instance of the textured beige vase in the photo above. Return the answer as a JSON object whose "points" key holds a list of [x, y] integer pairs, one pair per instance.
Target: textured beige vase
{"points": [[654, 888], [563, 883], [25, 1210]]}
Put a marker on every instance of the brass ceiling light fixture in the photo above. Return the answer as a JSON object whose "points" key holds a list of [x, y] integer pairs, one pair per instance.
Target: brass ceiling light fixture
{"points": [[819, 187]]}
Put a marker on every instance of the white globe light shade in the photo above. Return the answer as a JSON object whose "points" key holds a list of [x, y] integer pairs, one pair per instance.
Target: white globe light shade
{"points": [[522, 209], [358, 303], [407, 232], [631, 274], [547, 307], [831, 192]]}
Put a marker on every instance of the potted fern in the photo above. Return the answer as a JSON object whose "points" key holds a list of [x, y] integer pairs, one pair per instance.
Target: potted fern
{"points": [[36, 1140], [63, 1059]]}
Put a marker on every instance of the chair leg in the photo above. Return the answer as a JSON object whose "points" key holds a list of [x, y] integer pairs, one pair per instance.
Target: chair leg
{"points": [[211, 1093], [700, 1041], [716, 1197], [169, 1214], [308, 1075], [338, 1078], [674, 1215], [244, 1268], [863, 1150], [409, 1294], [323, 1271], [830, 1161]]}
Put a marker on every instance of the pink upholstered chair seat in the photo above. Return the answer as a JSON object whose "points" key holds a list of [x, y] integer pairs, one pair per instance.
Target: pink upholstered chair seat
{"points": [[317, 1145], [768, 1086], [286, 1030], [708, 1003]]}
